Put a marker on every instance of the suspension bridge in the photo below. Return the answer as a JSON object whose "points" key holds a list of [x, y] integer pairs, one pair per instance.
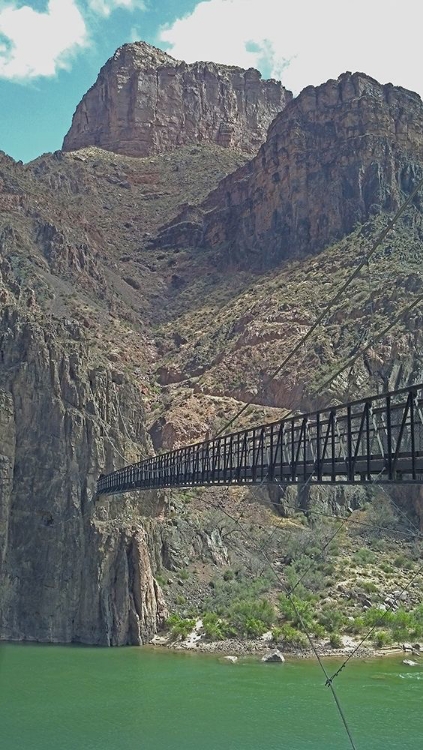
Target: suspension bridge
{"points": [[379, 438]]}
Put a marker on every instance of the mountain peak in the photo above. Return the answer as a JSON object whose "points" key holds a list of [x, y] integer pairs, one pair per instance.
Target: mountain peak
{"points": [[145, 102]]}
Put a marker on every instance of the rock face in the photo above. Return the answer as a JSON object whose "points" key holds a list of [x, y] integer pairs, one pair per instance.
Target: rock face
{"points": [[67, 571], [336, 155], [145, 102]]}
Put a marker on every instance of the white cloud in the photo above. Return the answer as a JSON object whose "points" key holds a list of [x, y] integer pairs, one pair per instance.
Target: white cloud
{"points": [[305, 42], [34, 44], [106, 7]]}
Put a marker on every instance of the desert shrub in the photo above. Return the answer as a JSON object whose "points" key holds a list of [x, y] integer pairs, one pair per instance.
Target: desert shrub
{"points": [[375, 616], [251, 617], [403, 624], [214, 628], [368, 586], [226, 592], [335, 640], [331, 619], [276, 633], [387, 568], [364, 556], [293, 637], [297, 611], [312, 574], [382, 517], [356, 626], [401, 561], [318, 630], [180, 626], [382, 638]]}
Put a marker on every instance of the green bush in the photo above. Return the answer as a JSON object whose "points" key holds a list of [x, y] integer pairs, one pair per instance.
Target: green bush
{"points": [[335, 640], [382, 638], [293, 637], [214, 628], [296, 610], [387, 568], [357, 626], [276, 633], [180, 626], [331, 619], [251, 617], [364, 556], [318, 630], [225, 592], [401, 561], [310, 571], [368, 586]]}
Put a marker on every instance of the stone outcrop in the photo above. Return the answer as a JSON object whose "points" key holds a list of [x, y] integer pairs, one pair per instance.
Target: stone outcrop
{"points": [[335, 156], [145, 102], [68, 571]]}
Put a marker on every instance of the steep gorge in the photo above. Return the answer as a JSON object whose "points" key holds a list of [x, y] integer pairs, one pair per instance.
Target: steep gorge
{"points": [[147, 291]]}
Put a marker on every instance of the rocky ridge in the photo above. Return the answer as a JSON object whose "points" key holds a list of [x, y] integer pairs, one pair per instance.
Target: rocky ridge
{"points": [[145, 102], [336, 155]]}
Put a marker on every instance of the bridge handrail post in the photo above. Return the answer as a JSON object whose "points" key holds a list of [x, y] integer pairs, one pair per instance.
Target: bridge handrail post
{"points": [[318, 451], [389, 434]]}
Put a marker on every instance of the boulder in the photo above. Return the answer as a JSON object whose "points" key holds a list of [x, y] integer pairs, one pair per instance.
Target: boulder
{"points": [[273, 658]]}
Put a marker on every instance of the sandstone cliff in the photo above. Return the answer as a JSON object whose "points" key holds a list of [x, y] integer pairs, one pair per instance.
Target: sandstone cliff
{"points": [[335, 156], [145, 102]]}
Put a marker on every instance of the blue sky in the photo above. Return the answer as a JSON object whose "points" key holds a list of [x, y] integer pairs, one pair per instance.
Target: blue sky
{"points": [[52, 50]]}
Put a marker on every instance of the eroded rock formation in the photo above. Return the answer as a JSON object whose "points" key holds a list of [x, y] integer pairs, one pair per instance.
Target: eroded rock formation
{"points": [[67, 572], [145, 102], [336, 155]]}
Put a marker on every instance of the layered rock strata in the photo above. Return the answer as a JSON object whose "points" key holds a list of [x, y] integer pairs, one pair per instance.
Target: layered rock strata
{"points": [[336, 155], [145, 102]]}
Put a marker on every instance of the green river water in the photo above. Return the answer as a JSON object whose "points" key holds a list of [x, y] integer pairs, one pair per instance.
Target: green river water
{"points": [[76, 698]]}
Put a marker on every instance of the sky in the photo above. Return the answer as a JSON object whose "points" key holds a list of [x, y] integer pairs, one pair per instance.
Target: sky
{"points": [[52, 50]]}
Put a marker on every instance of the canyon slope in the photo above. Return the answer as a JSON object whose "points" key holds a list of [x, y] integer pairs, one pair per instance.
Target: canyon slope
{"points": [[336, 155], [150, 280]]}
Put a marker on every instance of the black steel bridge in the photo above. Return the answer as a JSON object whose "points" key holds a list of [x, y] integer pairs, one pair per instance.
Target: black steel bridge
{"points": [[378, 439]]}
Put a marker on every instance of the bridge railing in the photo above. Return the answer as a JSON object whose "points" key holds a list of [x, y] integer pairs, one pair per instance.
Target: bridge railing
{"points": [[379, 437]]}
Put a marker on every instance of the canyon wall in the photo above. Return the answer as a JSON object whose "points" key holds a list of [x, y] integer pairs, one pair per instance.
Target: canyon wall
{"points": [[336, 155], [145, 102]]}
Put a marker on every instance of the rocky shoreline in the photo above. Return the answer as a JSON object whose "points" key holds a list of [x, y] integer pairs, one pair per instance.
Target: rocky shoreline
{"points": [[262, 648]]}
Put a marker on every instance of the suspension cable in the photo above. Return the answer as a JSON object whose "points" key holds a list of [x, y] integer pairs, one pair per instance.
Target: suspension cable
{"points": [[335, 299]]}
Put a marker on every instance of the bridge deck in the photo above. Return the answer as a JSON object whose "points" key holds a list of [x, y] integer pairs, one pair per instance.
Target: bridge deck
{"points": [[379, 438]]}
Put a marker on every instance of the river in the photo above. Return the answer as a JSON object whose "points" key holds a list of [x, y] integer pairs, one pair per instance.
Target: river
{"points": [[80, 698]]}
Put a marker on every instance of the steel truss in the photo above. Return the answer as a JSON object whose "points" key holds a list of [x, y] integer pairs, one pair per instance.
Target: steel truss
{"points": [[378, 438]]}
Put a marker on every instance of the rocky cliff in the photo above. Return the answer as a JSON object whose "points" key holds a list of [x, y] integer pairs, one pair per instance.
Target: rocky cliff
{"points": [[335, 156], [145, 102], [67, 573], [108, 343], [75, 366]]}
